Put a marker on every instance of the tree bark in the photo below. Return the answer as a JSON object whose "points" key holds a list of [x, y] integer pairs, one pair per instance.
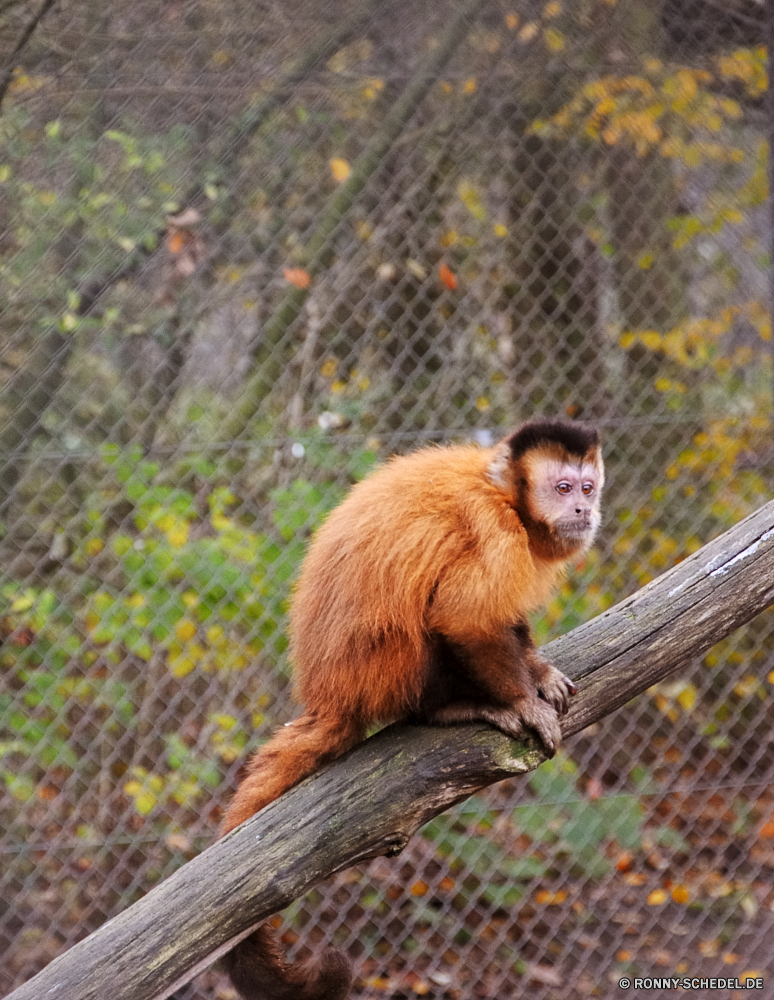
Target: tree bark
{"points": [[371, 801]]}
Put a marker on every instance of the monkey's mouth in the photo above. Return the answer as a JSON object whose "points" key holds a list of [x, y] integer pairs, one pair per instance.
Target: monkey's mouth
{"points": [[574, 529]]}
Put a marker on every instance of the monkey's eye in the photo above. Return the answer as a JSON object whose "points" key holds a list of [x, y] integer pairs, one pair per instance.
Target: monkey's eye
{"points": [[564, 488], [588, 489]]}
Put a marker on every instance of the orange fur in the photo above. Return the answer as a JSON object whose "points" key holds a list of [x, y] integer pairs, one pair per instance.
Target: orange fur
{"points": [[412, 603]]}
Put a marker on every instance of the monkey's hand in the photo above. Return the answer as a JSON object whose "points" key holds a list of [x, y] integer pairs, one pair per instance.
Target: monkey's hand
{"points": [[556, 689], [529, 712]]}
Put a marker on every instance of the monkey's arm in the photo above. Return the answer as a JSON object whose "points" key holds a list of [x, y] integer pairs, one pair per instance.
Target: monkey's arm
{"points": [[480, 608], [505, 683]]}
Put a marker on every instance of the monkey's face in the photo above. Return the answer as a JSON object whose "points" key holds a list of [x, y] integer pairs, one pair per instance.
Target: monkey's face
{"points": [[565, 495]]}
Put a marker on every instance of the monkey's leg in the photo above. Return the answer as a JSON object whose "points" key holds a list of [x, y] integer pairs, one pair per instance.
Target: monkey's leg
{"points": [[503, 673]]}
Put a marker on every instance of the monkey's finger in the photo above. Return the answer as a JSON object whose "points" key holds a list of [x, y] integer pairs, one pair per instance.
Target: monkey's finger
{"points": [[543, 718]]}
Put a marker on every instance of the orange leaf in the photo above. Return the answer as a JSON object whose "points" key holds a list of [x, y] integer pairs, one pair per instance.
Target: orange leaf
{"points": [[340, 169], [447, 276], [681, 894], [547, 898], [297, 276], [176, 242], [767, 831]]}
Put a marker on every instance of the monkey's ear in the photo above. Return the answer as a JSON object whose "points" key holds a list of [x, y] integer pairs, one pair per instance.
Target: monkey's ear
{"points": [[499, 467]]}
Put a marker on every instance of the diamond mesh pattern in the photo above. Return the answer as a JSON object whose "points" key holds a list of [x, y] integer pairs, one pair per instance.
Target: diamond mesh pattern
{"points": [[247, 251]]}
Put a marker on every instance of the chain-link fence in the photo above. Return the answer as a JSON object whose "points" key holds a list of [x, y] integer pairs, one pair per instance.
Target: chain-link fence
{"points": [[249, 250]]}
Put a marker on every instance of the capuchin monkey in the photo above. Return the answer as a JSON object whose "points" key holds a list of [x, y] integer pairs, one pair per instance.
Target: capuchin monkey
{"points": [[413, 604]]}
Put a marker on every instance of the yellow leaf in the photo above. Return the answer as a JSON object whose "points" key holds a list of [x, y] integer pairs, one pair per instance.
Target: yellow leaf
{"points": [[552, 9], [606, 105], [94, 546], [145, 803], [482, 403], [687, 697], [340, 169], [181, 666], [554, 39], [178, 536], [185, 631], [512, 21], [746, 686], [469, 86], [471, 198], [500, 230], [657, 897]]}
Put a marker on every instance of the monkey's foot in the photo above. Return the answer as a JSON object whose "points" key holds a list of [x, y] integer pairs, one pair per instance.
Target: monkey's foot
{"points": [[556, 689], [533, 713]]}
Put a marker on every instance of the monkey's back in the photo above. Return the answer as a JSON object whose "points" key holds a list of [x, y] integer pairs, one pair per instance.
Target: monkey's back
{"points": [[406, 536]]}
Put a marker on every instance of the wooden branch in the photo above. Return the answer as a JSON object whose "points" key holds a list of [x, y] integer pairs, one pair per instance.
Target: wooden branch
{"points": [[371, 801]]}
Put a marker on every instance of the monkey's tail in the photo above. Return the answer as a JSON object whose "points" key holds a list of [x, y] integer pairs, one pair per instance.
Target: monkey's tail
{"points": [[256, 966], [293, 753], [258, 971]]}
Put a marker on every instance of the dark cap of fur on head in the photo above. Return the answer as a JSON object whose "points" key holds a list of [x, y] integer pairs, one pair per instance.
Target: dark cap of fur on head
{"points": [[576, 439]]}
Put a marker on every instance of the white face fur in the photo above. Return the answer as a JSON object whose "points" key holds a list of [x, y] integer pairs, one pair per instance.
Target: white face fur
{"points": [[566, 496]]}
